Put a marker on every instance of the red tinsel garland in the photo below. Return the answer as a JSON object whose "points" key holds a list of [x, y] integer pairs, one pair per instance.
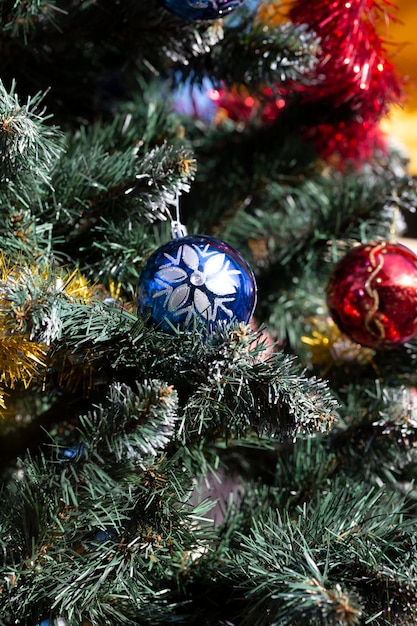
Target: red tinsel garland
{"points": [[353, 67], [353, 86], [353, 75]]}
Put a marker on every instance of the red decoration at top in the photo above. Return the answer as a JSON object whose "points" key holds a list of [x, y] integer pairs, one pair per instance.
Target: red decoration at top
{"points": [[352, 88], [353, 67], [355, 82], [372, 295]]}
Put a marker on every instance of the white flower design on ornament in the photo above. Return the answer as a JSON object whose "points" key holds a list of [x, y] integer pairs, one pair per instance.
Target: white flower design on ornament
{"points": [[197, 281]]}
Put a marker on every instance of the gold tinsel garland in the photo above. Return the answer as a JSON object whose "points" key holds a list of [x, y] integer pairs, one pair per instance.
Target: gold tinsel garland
{"points": [[328, 346], [23, 289]]}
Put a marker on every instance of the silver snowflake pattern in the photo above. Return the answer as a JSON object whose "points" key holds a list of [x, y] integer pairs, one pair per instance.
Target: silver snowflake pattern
{"points": [[197, 281]]}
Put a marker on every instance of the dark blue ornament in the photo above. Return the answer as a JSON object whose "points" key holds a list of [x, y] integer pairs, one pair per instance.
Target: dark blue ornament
{"points": [[102, 535], [196, 281], [202, 9], [73, 453]]}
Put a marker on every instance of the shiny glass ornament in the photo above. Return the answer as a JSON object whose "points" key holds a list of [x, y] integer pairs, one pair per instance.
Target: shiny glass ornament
{"points": [[372, 295], [202, 9], [196, 281]]}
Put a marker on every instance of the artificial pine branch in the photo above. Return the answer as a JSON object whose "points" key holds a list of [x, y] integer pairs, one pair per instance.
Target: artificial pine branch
{"points": [[263, 56], [245, 477], [297, 570], [29, 147]]}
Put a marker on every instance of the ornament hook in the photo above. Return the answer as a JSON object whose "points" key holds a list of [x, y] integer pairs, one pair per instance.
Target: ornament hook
{"points": [[178, 229]]}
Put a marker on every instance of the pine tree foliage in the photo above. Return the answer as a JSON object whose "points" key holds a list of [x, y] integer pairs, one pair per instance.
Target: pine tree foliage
{"points": [[28, 146], [308, 579], [260, 474], [263, 55]]}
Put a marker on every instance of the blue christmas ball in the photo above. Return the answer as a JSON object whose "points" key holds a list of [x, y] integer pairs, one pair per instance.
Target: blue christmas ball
{"points": [[202, 9], [196, 281]]}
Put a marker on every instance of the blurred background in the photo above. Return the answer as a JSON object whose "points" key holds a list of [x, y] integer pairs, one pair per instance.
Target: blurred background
{"points": [[402, 43], [402, 123]]}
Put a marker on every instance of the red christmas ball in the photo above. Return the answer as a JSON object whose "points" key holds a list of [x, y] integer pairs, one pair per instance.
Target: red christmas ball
{"points": [[372, 295]]}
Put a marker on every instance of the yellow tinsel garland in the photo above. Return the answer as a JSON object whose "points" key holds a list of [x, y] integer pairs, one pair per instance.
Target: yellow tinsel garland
{"points": [[23, 288]]}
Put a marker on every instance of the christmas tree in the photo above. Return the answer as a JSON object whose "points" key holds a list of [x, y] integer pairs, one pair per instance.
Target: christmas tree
{"points": [[172, 452]]}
